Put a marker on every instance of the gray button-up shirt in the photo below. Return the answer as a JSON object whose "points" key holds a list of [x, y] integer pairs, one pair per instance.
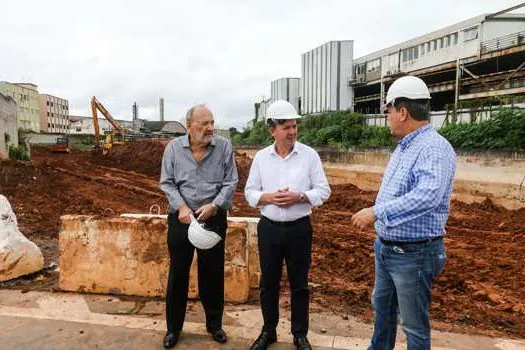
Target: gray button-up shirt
{"points": [[186, 181]]}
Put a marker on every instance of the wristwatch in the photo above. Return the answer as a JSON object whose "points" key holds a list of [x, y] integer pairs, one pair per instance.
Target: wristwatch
{"points": [[215, 208], [301, 197]]}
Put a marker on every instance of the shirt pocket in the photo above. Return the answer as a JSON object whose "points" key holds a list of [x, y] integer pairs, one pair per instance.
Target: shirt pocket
{"points": [[403, 176], [213, 174]]}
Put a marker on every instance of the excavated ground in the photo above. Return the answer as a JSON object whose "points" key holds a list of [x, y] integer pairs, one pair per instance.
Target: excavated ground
{"points": [[481, 290]]}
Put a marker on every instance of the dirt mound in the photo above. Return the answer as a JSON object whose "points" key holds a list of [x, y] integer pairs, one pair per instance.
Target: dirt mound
{"points": [[39, 196], [141, 156], [146, 157]]}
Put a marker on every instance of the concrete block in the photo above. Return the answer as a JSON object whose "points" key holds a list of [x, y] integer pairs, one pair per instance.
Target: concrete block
{"points": [[236, 275], [128, 255], [253, 249]]}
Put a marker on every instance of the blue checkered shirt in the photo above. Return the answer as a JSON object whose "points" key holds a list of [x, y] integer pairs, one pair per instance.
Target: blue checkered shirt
{"points": [[413, 202]]}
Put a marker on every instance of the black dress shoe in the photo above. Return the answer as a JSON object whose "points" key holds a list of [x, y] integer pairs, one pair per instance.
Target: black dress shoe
{"points": [[218, 335], [301, 343], [171, 339], [263, 341]]}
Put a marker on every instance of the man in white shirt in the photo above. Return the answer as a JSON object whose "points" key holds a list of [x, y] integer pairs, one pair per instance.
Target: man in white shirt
{"points": [[286, 180]]}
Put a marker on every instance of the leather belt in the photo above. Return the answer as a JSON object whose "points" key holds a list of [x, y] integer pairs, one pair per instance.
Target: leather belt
{"points": [[429, 240]]}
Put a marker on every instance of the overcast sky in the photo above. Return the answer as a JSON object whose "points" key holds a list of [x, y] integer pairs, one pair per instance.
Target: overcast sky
{"points": [[223, 53]]}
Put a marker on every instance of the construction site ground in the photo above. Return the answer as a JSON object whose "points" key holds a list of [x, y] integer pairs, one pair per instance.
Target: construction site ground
{"points": [[480, 292]]}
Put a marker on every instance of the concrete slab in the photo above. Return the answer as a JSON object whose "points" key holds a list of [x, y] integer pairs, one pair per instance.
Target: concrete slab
{"points": [[65, 321]]}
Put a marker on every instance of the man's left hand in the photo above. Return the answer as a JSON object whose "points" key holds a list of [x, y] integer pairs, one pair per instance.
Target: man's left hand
{"points": [[205, 212], [363, 218], [286, 199]]}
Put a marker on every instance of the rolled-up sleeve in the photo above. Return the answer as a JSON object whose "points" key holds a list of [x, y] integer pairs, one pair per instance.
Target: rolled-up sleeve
{"points": [[229, 184], [320, 190], [167, 178], [253, 189]]}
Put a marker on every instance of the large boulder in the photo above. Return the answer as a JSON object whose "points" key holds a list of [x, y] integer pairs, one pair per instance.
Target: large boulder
{"points": [[18, 255]]}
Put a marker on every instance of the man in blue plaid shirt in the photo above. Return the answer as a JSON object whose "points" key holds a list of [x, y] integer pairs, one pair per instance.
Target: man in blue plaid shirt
{"points": [[409, 215]]}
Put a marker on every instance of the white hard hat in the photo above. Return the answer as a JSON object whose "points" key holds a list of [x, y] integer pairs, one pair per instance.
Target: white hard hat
{"points": [[410, 87], [282, 110], [200, 237]]}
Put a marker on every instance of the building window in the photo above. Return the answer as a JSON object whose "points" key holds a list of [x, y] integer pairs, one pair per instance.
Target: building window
{"points": [[373, 65], [410, 54], [455, 38], [47, 103], [470, 34]]}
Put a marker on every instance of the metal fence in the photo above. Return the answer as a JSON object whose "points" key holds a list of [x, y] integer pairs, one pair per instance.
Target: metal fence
{"points": [[503, 42]]}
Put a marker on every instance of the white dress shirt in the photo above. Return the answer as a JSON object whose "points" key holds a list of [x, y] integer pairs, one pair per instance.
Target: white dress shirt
{"points": [[301, 171]]}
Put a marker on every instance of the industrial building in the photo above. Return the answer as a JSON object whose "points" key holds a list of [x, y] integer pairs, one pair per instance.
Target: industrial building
{"points": [[473, 60], [286, 89], [324, 77], [80, 125], [477, 58], [54, 114], [26, 97]]}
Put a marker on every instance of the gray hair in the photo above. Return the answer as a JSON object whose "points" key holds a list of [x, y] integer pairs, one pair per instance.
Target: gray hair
{"points": [[189, 113]]}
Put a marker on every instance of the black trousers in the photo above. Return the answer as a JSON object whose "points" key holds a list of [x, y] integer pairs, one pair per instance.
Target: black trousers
{"points": [[291, 242], [210, 273]]}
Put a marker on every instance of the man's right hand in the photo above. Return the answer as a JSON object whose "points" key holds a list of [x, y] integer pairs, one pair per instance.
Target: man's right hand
{"points": [[185, 214], [282, 198]]}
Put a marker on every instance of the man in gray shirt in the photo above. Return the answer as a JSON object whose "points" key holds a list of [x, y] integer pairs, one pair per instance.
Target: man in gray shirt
{"points": [[199, 178]]}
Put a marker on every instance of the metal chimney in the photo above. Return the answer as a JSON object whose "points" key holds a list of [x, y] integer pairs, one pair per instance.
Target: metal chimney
{"points": [[161, 109], [135, 111]]}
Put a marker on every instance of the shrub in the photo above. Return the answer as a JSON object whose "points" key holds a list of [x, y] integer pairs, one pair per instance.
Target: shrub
{"points": [[18, 153]]}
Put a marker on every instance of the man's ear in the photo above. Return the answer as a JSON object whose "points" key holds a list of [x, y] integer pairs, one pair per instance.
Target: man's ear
{"points": [[404, 114]]}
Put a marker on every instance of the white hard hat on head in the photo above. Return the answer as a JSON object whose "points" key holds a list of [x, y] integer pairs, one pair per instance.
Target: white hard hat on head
{"points": [[200, 237], [282, 110], [409, 87]]}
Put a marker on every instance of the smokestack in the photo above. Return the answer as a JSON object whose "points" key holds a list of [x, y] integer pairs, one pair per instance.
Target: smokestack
{"points": [[135, 111], [161, 109]]}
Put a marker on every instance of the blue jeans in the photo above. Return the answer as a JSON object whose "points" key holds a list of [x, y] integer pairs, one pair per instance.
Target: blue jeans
{"points": [[403, 278]]}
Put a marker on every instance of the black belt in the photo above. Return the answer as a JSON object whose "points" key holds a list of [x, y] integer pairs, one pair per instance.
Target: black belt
{"points": [[288, 223], [429, 240]]}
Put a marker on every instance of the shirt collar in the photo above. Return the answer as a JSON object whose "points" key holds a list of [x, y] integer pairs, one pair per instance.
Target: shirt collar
{"points": [[295, 149], [405, 141], [186, 141]]}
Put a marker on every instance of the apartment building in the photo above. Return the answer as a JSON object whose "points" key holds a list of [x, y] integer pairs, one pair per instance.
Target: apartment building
{"points": [[25, 96], [54, 114]]}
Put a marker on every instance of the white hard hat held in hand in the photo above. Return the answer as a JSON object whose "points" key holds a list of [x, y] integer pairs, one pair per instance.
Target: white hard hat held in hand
{"points": [[282, 110], [200, 237], [409, 87]]}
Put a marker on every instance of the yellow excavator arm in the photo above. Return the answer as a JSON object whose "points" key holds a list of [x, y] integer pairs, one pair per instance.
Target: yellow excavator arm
{"points": [[97, 106]]}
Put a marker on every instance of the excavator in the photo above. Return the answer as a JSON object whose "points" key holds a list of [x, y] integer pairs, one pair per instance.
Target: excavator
{"points": [[114, 137], [61, 145]]}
